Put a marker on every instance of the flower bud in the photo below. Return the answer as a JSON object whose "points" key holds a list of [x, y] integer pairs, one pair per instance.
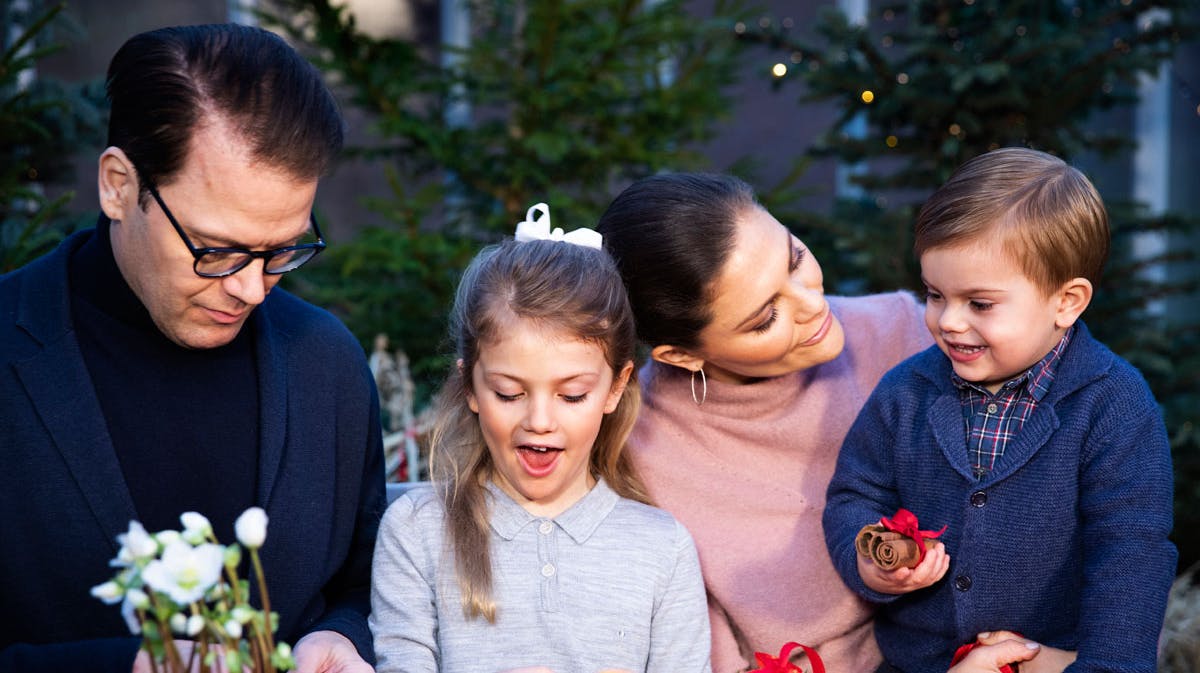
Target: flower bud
{"points": [[233, 628], [251, 527], [110, 592], [195, 522], [233, 556], [195, 624], [166, 537], [242, 614], [178, 623], [138, 598]]}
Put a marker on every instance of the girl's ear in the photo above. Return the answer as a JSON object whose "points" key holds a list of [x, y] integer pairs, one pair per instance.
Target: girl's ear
{"points": [[618, 388], [676, 357], [467, 387], [1073, 297], [117, 182]]}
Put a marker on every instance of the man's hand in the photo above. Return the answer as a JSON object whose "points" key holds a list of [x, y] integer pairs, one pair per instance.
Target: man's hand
{"points": [[142, 663], [328, 652], [904, 580]]}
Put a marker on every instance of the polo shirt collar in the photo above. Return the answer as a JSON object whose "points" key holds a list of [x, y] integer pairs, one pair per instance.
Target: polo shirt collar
{"points": [[579, 520]]}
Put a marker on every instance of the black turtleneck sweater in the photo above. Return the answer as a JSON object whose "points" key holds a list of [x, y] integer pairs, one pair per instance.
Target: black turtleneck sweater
{"points": [[184, 423]]}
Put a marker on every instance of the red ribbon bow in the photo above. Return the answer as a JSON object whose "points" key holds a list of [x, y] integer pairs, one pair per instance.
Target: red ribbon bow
{"points": [[780, 664], [905, 523]]}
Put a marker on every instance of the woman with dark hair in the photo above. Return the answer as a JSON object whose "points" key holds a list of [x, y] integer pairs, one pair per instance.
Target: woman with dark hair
{"points": [[754, 377]]}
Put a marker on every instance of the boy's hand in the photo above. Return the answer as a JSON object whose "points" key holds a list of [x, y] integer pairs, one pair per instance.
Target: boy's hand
{"points": [[904, 580]]}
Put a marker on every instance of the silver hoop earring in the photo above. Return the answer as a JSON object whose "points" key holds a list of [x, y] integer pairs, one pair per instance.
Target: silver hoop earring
{"points": [[703, 387]]}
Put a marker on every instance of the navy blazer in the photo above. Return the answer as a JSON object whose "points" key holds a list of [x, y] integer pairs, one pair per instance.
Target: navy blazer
{"points": [[63, 498]]}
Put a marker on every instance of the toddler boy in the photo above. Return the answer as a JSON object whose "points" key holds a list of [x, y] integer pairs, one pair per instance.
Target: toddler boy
{"points": [[1042, 452]]}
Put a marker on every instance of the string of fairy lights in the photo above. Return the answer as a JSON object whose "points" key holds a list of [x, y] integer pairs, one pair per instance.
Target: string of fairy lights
{"points": [[782, 69]]}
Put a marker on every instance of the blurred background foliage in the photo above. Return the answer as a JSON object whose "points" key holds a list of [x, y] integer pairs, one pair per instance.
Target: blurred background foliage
{"points": [[551, 101], [565, 102], [42, 121]]}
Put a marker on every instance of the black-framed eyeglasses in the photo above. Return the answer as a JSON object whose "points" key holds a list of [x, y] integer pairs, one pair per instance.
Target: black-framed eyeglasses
{"points": [[221, 262]]}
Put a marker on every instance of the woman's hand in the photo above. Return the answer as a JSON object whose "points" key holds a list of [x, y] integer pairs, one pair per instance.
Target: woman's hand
{"points": [[997, 652], [1048, 659], [904, 580]]}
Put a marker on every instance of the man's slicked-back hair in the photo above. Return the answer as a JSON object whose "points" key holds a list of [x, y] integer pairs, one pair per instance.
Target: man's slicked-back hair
{"points": [[164, 83]]}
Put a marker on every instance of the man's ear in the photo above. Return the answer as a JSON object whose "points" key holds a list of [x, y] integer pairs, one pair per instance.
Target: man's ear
{"points": [[677, 357], [1073, 297], [118, 184]]}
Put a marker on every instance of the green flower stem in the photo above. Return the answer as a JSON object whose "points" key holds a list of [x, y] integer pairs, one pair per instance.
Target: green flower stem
{"points": [[168, 642], [266, 635]]}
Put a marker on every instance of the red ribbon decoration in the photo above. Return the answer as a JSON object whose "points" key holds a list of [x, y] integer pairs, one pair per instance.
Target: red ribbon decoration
{"points": [[905, 523], [780, 664]]}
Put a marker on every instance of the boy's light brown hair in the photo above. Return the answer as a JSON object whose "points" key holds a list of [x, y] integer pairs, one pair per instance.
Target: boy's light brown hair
{"points": [[1047, 215]]}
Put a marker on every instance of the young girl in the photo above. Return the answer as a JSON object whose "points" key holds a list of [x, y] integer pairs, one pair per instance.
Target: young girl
{"points": [[536, 546]]}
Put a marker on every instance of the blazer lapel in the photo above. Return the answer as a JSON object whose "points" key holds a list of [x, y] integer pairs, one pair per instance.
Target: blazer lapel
{"points": [[1033, 435], [60, 388], [946, 419]]}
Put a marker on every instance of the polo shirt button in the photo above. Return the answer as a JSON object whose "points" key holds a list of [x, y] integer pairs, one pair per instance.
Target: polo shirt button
{"points": [[962, 582], [978, 499], [545, 528], [992, 408], [548, 570]]}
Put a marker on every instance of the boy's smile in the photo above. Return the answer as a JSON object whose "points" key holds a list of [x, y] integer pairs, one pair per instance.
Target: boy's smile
{"points": [[986, 315]]}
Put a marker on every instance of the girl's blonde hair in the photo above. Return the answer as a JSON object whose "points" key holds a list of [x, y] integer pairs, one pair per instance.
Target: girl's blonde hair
{"points": [[562, 287]]}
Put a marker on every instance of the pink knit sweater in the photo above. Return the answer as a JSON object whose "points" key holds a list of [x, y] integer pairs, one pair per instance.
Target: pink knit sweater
{"points": [[746, 472]]}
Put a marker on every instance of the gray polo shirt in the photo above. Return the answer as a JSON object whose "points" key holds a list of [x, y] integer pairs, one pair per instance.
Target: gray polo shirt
{"points": [[609, 583]]}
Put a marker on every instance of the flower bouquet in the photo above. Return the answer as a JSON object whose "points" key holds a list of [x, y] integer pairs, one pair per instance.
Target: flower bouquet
{"points": [[184, 585]]}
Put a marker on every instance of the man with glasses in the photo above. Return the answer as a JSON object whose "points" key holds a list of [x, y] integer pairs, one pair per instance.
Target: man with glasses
{"points": [[150, 366]]}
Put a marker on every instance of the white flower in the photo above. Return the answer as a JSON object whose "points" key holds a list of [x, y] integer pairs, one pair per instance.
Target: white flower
{"points": [[251, 527], [195, 624], [166, 537], [110, 592], [196, 527], [184, 573], [233, 629], [136, 545]]}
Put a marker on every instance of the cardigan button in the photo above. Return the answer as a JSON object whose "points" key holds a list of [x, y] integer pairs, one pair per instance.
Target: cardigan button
{"points": [[978, 499], [962, 582]]}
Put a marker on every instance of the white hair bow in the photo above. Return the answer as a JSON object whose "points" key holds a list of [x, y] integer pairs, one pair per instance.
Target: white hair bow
{"points": [[536, 227]]}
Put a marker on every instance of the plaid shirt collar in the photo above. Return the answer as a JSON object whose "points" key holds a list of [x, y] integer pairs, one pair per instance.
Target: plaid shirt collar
{"points": [[1036, 379]]}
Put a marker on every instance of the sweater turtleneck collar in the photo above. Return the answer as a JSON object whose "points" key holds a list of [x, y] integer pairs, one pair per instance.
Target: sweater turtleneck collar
{"points": [[96, 279], [761, 397]]}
